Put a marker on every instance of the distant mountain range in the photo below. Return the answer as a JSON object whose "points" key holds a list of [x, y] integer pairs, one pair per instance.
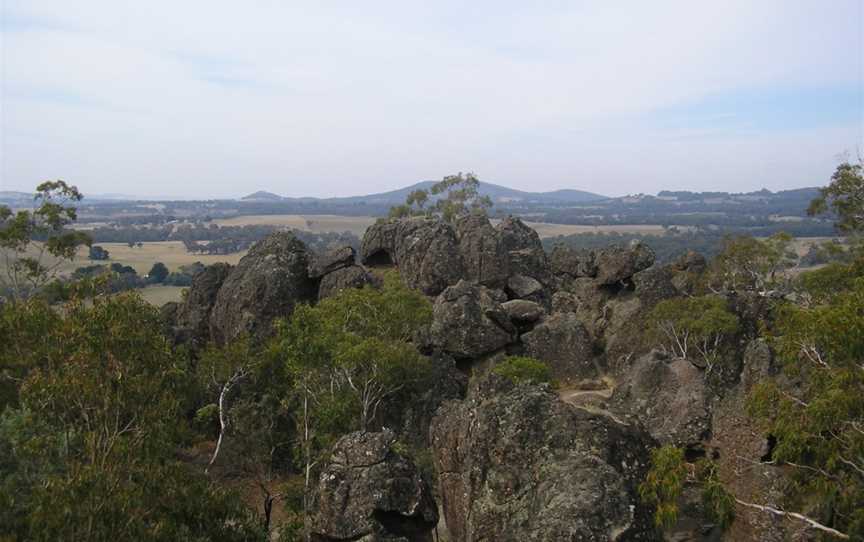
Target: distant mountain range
{"points": [[499, 194]]}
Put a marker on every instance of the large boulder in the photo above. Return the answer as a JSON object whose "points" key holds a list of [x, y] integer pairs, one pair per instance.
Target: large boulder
{"points": [[369, 492], [563, 342], [515, 463], [468, 321], [522, 311], [330, 261], [616, 263], [573, 263], [655, 284], [354, 276], [427, 255], [668, 397], [266, 284], [379, 244], [524, 249], [193, 314], [484, 256], [525, 287]]}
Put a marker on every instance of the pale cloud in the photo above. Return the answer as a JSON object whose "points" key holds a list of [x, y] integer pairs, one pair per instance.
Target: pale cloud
{"points": [[221, 98]]}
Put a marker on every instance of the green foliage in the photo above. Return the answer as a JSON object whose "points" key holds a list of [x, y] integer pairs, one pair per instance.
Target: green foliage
{"points": [[454, 196], [717, 502], [98, 253], [89, 453], [664, 483], [346, 357], [521, 369], [749, 264], [29, 238], [819, 423], [158, 273], [687, 324], [823, 284], [844, 196]]}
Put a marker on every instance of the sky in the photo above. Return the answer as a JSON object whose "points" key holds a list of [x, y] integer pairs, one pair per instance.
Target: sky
{"points": [[217, 98]]}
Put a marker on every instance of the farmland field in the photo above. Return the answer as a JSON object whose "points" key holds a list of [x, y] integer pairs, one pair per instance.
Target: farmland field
{"points": [[172, 253], [159, 295]]}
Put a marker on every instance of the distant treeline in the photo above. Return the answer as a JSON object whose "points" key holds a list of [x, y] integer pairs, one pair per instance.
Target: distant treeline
{"points": [[215, 239], [708, 242]]}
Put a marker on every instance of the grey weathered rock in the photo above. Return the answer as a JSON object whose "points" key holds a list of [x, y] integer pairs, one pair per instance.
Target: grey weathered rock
{"points": [[379, 244], [616, 263], [758, 364], [446, 383], [563, 342], [515, 463], [468, 321], [484, 257], [571, 262], [523, 311], [193, 314], [524, 249], [668, 397], [265, 284], [427, 255], [369, 492], [330, 261], [525, 287], [654, 285], [354, 276]]}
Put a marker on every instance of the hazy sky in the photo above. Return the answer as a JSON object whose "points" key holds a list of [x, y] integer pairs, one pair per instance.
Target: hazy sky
{"points": [[189, 98]]}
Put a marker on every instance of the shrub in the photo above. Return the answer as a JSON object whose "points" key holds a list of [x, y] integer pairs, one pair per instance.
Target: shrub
{"points": [[521, 369]]}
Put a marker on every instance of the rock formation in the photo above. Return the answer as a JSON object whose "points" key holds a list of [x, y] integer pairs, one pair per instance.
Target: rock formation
{"points": [[515, 463], [265, 285], [368, 491]]}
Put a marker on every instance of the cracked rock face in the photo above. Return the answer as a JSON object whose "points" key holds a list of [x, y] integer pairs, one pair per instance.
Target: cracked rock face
{"points": [[193, 314], [265, 285], [524, 249], [515, 463], [485, 259], [668, 397], [330, 261], [563, 342], [369, 492], [468, 321], [354, 276]]}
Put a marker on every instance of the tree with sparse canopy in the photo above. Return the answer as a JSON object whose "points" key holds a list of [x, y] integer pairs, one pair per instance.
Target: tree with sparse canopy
{"points": [[688, 325], [454, 196], [347, 356], [844, 196], [34, 243]]}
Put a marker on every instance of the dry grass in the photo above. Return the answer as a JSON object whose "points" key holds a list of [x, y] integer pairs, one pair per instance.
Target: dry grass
{"points": [[172, 253], [553, 230], [159, 295]]}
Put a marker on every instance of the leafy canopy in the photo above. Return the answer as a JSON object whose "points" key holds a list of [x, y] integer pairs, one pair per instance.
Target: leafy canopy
{"points": [[688, 325], [521, 369], [844, 196], [33, 243], [89, 446], [454, 196]]}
